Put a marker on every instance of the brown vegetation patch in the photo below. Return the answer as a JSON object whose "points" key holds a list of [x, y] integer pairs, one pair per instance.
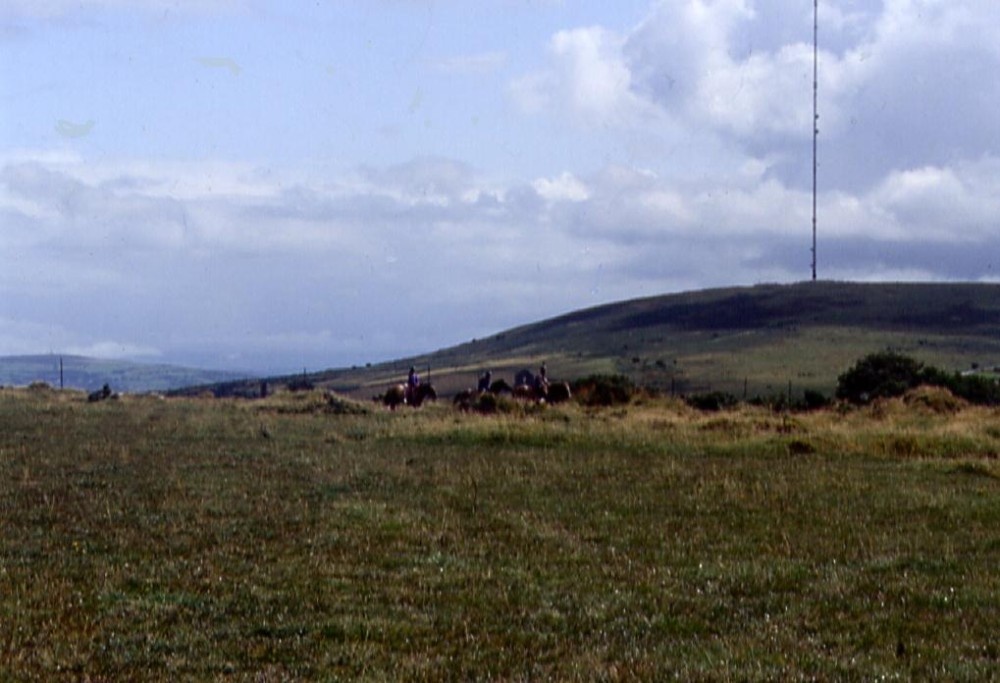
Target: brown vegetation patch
{"points": [[934, 399], [800, 447]]}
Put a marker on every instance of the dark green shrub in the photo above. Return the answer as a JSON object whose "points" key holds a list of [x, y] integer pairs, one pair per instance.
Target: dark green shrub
{"points": [[879, 375], [713, 401], [889, 374], [775, 402], [814, 400], [301, 384], [973, 388], [604, 390]]}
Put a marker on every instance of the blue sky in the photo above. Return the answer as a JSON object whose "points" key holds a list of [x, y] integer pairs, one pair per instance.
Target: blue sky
{"points": [[270, 186]]}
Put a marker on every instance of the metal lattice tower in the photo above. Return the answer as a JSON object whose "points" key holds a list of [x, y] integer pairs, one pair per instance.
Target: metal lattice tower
{"points": [[815, 125]]}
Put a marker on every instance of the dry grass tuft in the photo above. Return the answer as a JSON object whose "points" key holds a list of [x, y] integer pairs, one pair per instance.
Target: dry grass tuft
{"points": [[935, 400]]}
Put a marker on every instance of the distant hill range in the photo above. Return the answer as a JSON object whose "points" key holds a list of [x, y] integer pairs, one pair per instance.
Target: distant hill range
{"points": [[89, 374], [748, 340]]}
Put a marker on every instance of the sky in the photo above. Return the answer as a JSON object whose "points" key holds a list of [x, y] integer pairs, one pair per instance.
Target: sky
{"points": [[268, 186]]}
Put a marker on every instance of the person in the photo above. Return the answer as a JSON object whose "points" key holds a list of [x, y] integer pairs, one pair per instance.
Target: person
{"points": [[485, 381], [542, 381], [412, 382]]}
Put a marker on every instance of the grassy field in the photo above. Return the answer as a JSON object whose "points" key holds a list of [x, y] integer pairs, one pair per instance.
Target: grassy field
{"points": [[299, 539]]}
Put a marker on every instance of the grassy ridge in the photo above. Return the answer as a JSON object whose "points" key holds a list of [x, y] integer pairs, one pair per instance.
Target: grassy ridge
{"points": [[759, 338], [289, 539]]}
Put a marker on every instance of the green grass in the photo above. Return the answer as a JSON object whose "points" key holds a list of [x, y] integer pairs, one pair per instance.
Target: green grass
{"points": [[277, 540]]}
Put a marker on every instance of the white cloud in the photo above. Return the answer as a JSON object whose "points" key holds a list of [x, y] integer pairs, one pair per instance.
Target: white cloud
{"points": [[588, 80], [909, 138], [30, 337], [958, 205], [846, 19], [903, 87], [350, 263], [598, 81], [679, 44], [565, 187], [700, 61]]}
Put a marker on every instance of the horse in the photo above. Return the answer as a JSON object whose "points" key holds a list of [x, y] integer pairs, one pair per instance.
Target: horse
{"points": [[100, 395], [556, 392], [528, 392], [423, 392], [501, 387], [463, 399], [394, 396], [397, 395], [468, 398]]}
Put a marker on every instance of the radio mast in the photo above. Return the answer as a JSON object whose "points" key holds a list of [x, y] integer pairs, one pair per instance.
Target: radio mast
{"points": [[815, 124]]}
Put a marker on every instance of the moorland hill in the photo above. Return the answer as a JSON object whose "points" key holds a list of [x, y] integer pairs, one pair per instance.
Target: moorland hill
{"points": [[754, 340]]}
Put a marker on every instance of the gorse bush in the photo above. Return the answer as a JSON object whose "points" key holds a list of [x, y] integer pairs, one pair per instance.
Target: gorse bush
{"points": [[814, 400], [713, 401], [879, 375], [889, 374], [604, 390], [810, 400], [973, 388]]}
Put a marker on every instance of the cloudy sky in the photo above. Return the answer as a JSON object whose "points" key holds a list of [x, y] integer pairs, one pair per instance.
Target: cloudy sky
{"points": [[269, 186]]}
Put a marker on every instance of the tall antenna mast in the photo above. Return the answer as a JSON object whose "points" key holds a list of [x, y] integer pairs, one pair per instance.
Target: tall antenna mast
{"points": [[815, 123]]}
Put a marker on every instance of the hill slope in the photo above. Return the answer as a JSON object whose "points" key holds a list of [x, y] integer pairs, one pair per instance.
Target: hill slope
{"points": [[79, 372], [756, 340]]}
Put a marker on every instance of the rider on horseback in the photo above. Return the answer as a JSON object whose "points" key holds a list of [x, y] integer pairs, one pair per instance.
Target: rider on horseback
{"points": [[412, 382], [542, 382]]}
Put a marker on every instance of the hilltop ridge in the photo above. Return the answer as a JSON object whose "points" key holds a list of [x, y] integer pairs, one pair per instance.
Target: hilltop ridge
{"points": [[755, 339]]}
